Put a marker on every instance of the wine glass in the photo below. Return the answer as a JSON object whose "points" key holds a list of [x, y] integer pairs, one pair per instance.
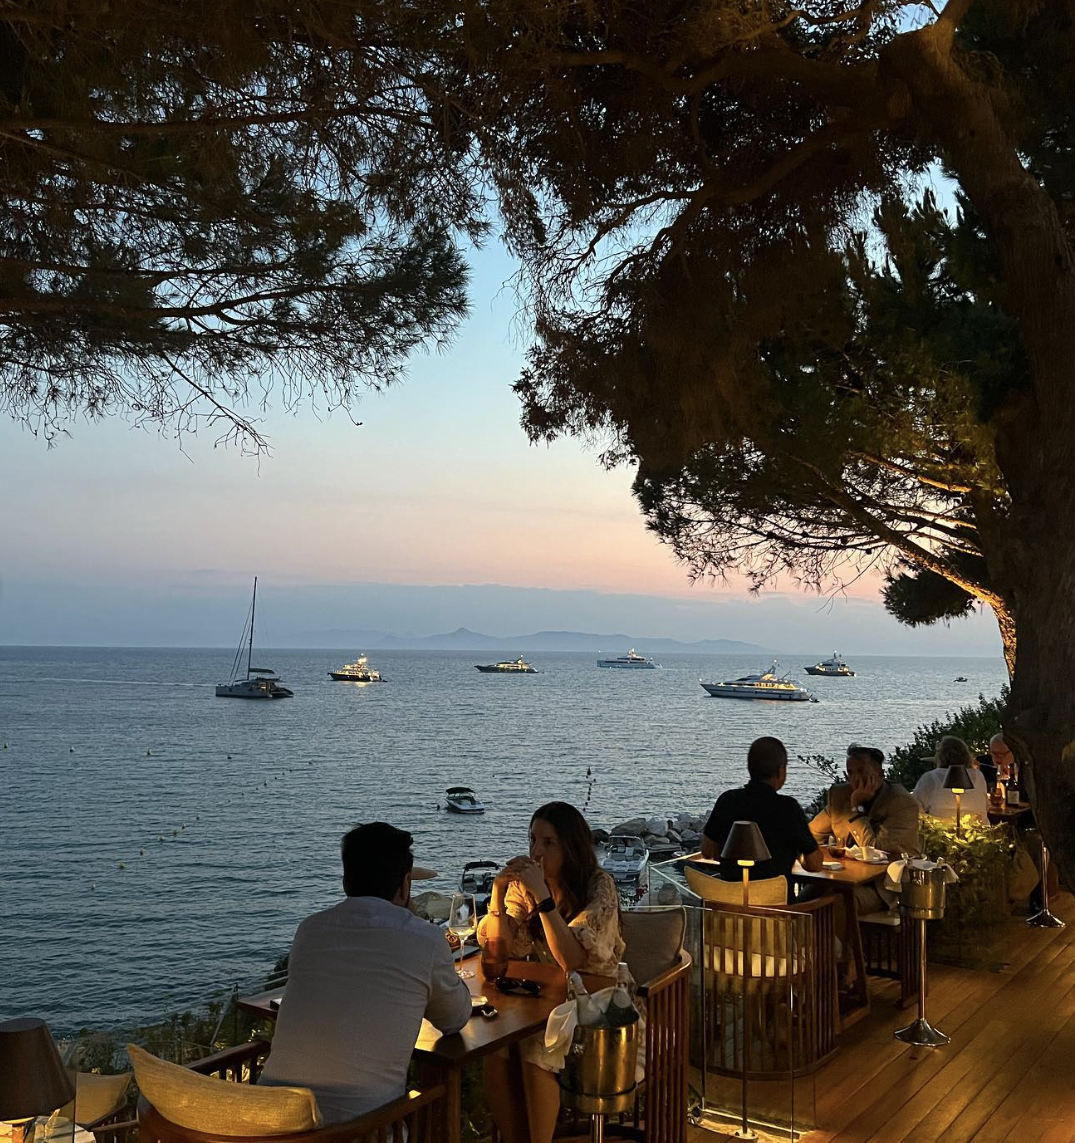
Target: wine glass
{"points": [[463, 921]]}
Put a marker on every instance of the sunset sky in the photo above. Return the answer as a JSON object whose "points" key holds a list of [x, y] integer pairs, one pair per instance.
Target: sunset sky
{"points": [[439, 486]]}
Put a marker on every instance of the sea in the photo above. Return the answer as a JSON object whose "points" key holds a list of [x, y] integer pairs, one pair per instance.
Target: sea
{"points": [[159, 845]]}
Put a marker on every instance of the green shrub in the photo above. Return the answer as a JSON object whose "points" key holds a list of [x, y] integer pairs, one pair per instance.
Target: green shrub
{"points": [[974, 724]]}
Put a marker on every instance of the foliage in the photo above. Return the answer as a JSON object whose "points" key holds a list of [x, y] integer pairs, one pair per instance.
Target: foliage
{"points": [[974, 724], [832, 774], [204, 201], [978, 901]]}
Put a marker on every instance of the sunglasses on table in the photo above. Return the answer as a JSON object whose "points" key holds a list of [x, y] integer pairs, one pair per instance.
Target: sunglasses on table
{"points": [[514, 986]]}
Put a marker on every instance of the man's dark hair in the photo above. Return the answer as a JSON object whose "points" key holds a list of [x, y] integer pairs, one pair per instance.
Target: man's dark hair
{"points": [[765, 757], [376, 858], [870, 753]]}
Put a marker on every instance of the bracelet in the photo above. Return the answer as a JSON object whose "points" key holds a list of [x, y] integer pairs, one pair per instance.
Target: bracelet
{"points": [[546, 906]]}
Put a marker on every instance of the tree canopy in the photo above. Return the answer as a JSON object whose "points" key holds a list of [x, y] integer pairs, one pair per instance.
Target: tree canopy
{"points": [[204, 201]]}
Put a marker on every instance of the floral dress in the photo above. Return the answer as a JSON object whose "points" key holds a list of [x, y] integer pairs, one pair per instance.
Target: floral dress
{"points": [[597, 928]]}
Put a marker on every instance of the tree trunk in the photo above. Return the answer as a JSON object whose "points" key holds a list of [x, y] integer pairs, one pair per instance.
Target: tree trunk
{"points": [[1035, 555]]}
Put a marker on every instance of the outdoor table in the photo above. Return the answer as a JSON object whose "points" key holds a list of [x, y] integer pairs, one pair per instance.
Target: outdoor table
{"points": [[443, 1056], [1007, 815], [844, 881]]}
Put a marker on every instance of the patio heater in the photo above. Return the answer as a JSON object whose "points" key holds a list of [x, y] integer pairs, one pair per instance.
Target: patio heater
{"points": [[745, 846], [1043, 918], [33, 1080], [958, 780]]}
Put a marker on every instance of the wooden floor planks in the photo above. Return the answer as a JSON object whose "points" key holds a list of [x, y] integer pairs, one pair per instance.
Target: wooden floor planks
{"points": [[1007, 1077]]}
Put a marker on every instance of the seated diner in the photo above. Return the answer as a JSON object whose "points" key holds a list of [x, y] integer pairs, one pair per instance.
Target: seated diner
{"points": [[553, 904], [779, 816], [938, 802]]}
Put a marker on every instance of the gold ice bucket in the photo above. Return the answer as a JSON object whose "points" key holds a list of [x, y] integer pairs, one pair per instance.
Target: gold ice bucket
{"points": [[599, 1073], [922, 893]]}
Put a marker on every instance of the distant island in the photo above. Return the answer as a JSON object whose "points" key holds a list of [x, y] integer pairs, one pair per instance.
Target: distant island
{"points": [[463, 639]]}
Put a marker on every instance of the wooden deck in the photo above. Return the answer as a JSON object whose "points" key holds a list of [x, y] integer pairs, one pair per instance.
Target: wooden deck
{"points": [[1009, 1073]]}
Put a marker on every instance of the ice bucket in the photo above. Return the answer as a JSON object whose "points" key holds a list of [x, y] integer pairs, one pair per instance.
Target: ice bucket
{"points": [[922, 893], [598, 1076]]}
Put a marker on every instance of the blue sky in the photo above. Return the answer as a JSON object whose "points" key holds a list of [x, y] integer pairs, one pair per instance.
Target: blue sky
{"points": [[121, 535]]}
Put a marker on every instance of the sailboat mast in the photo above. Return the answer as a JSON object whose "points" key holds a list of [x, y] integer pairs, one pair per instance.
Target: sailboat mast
{"points": [[250, 645]]}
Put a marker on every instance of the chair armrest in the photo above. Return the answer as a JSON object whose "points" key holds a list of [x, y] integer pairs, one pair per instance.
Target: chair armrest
{"points": [[231, 1058], [664, 979], [114, 1132], [392, 1113]]}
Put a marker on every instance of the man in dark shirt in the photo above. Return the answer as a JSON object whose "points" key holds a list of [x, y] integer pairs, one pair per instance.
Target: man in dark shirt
{"points": [[780, 817]]}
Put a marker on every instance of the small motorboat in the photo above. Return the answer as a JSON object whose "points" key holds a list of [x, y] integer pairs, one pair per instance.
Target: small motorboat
{"points": [[462, 800], [357, 672], [477, 879], [960, 679], [765, 685], [517, 666], [632, 661], [833, 668], [624, 857]]}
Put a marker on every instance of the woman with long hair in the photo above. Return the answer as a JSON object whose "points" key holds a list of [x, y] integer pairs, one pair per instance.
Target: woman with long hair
{"points": [[555, 905], [938, 802]]}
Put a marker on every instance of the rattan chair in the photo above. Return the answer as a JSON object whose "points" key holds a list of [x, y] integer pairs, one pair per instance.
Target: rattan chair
{"points": [[767, 891]]}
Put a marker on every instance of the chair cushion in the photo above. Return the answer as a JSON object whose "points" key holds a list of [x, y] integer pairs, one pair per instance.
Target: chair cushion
{"points": [[97, 1096], [653, 938], [205, 1103]]}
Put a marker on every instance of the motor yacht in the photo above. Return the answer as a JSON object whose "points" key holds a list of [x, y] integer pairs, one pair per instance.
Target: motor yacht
{"points": [[477, 879], [260, 682], [517, 666], [357, 672], [834, 667], [766, 685], [632, 661], [462, 800], [624, 857]]}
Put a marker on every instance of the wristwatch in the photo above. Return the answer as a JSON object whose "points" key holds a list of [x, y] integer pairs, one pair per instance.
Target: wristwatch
{"points": [[546, 906]]}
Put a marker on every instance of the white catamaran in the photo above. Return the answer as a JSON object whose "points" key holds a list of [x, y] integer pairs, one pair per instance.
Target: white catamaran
{"points": [[260, 682]]}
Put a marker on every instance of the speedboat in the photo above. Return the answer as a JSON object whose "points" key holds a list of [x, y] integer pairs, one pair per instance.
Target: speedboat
{"points": [[632, 661], [960, 679], [767, 685], [834, 667], [357, 672], [624, 858], [462, 800], [517, 666], [477, 880], [260, 682]]}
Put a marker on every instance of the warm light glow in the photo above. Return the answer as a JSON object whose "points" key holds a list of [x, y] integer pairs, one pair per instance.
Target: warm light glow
{"points": [[958, 790], [746, 862]]}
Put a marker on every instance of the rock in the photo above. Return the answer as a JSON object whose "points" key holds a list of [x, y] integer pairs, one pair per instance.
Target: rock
{"points": [[690, 837], [633, 827], [657, 826], [432, 906], [600, 836], [672, 835]]}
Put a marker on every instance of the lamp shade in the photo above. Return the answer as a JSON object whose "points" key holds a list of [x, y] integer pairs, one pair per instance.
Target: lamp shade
{"points": [[745, 843], [958, 778], [32, 1078]]}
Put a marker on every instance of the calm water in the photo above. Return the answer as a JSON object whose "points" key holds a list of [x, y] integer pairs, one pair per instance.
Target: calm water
{"points": [[133, 883]]}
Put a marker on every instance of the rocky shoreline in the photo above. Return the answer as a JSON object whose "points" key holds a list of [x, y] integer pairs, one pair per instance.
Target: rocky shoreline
{"points": [[660, 835]]}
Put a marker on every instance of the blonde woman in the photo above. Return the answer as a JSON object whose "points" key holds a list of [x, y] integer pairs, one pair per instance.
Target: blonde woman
{"points": [[938, 802]]}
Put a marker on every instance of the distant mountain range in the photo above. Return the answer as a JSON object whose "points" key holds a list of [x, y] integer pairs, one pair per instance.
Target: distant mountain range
{"points": [[463, 639]]}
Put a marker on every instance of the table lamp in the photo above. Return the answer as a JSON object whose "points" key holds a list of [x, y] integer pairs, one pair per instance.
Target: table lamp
{"points": [[33, 1080], [959, 782], [745, 846]]}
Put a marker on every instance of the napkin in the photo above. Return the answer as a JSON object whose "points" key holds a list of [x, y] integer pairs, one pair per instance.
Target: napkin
{"points": [[894, 873], [559, 1032], [867, 853]]}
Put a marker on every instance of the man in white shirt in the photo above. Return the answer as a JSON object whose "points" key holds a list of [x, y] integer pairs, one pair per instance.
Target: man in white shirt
{"points": [[361, 976]]}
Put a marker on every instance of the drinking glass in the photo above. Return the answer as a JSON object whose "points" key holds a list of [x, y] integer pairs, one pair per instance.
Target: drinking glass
{"points": [[463, 921]]}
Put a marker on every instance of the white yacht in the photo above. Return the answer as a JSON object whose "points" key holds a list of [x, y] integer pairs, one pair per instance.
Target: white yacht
{"points": [[632, 661], [462, 800], [834, 667], [260, 682], [624, 857], [517, 666], [767, 685], [357, 672]]}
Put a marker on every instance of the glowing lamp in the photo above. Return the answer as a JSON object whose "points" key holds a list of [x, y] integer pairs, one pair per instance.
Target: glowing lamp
{"points": [[745, 846], [958, 780]]}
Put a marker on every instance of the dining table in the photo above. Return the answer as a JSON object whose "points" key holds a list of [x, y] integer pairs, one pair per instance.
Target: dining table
{"points": [[441, 1057], [844, 875]]}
